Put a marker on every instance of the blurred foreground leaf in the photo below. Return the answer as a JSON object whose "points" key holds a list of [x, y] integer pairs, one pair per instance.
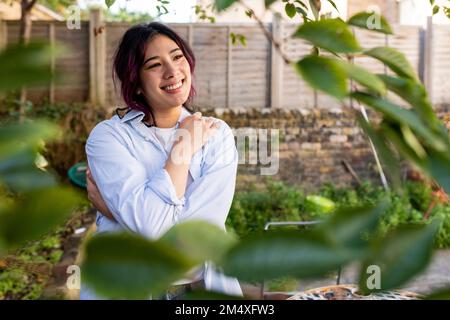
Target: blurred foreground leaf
{"points": [[25, 65], [400, 255], [201, 240], [324, 74], [330, 34], [351, 227], [34, 213], [370, 21], [395, 60], [128, 266], [284, 253], [439, 295]]}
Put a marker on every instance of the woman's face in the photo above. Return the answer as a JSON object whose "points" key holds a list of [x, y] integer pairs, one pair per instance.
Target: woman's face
{"points": [[165, 75]]}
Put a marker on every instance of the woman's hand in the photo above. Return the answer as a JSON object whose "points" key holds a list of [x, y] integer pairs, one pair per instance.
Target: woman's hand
{"points": [[198, 130], [96, 198], [194, 132]]}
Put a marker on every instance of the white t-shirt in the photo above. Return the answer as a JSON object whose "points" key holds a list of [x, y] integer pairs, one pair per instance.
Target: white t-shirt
{"points": [[165, 136]]}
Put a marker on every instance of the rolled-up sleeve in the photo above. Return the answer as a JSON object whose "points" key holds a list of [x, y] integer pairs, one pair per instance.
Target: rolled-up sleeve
{"points": [[209, 197], [141, 204]]}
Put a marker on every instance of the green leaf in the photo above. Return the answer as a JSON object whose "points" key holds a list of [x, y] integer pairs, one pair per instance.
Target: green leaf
{"points": [[388, 159], [3, 250], [268, 3], [324, 74], [394, 135], [395, 60], [243, 40], [36, 213], [209, 295], [438, 166], [412, 92], [303, 13], [221, 5], [400, 255], [334, 5], [320, 203], [19, 172], [415, 94], [443, 294], [233, 38], [26, 65], [109, 3], [202, 240], [402, 116], [351, 227], [363, 77], [435, 9], [16, 137], [362, 20], [128, 266], [287, 253], [330, 34], [302, 4], [290, 10]]}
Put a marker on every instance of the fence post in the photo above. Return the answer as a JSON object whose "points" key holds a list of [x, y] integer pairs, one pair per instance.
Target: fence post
{"points": [[276, 65], [97, 58], [3, 33], [191, 34], [51, 36], [428, 63]]}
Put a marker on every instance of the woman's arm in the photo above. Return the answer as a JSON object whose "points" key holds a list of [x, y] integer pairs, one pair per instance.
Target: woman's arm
{"points": [[194, 131], [96, 198], [121, 190], [145, 205], [210, 196]]}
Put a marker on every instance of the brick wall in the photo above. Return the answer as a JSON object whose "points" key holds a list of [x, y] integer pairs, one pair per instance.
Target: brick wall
{"points": [[313, 145]]}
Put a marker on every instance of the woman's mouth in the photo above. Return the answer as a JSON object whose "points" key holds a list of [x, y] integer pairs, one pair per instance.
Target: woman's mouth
{"points": [[173, 88]]}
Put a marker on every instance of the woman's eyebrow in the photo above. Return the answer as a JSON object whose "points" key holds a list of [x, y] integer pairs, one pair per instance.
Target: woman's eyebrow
{"points": [[156, 57]]}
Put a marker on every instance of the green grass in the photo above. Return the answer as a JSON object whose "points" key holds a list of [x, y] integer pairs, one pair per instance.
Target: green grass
{"points": [[19, 281]]}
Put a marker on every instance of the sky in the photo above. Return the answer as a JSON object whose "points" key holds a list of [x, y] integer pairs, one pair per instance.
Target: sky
{"points": [[414, 12], [179, 10]]}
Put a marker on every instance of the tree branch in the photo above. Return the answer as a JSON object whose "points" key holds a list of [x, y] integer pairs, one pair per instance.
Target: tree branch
{"points": [[29, 5], [266, 32]]}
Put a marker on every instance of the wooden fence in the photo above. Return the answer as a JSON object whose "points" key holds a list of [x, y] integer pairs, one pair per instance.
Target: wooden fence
{"points": [[227, 75]]}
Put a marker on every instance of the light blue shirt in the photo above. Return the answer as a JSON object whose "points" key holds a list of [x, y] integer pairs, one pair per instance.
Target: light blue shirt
{"points": [[127, 162]]}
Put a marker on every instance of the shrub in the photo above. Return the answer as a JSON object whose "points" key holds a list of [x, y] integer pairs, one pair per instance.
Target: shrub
{"points": [[251, 210]]}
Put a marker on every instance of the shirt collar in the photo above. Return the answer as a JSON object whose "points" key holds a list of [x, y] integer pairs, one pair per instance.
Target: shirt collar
{"points": [[137, 116]]}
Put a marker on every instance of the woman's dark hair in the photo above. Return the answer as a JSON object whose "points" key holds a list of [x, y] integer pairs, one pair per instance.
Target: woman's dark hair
{"points": [[130, 56]]}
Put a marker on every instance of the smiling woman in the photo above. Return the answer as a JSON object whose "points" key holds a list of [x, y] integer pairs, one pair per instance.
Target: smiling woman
{"points": [[159, 164]]}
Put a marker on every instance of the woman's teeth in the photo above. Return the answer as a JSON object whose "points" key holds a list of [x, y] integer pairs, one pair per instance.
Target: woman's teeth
{"points": [[174, 86]]}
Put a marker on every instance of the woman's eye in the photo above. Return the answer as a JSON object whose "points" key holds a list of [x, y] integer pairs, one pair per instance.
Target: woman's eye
{"points": [[179, 56], [154, 65]]}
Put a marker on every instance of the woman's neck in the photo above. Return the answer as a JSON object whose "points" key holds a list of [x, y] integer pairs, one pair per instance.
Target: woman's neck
{"points": [[167, 118]]}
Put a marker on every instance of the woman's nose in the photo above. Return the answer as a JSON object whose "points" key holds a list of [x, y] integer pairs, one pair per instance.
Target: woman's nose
{"points": [[170, 71]]}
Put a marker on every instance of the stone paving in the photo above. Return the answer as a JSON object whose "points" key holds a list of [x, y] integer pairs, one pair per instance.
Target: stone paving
{"points": [[435, 277]]}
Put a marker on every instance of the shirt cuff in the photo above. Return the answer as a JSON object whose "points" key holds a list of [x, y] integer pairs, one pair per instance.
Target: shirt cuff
{"points": [[162, 185]]}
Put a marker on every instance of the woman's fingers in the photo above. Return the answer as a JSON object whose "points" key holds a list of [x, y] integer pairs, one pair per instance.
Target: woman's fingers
{"points": [[197, 115], [90, 179]]}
